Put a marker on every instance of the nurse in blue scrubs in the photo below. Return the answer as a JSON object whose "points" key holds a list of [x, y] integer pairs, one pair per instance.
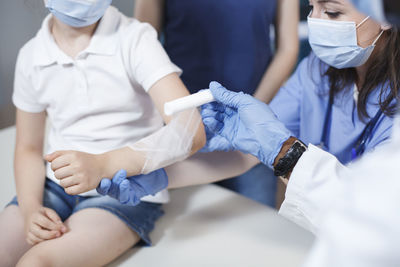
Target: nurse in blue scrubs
{"points": [[341, 97], [229, 41]]}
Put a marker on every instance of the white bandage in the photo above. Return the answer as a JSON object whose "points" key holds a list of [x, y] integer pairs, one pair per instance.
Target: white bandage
{"points": [[170, 144], [188, 102]]}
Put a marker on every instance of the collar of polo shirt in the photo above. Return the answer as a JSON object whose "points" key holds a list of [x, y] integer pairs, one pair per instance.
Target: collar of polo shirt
{"points": [[104, 41]]}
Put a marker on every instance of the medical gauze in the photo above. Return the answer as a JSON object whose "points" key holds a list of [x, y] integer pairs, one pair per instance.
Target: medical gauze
{"points": [[171, 143]]}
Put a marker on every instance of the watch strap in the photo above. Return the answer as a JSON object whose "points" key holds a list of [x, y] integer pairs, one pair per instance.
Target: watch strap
{"points": [[286, 164]]}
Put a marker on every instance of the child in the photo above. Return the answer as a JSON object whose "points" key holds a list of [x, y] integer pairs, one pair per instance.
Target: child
{"points": [[102, 80]]}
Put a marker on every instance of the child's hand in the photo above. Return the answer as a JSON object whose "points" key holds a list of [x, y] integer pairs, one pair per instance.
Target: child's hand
{"points": [[43, 224], [78, 172]]}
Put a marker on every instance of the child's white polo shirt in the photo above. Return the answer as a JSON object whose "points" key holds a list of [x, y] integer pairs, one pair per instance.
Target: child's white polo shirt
{"points": [[98, 101]]}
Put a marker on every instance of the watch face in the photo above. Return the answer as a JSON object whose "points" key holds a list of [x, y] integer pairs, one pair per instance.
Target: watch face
{"points": [[301, 144]]}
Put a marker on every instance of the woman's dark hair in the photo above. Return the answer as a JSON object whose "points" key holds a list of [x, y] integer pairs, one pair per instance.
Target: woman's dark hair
{"points": [[384, 73]]}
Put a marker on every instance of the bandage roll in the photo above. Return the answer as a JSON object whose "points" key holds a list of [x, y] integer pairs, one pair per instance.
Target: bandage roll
{"points": [[188, 102]]}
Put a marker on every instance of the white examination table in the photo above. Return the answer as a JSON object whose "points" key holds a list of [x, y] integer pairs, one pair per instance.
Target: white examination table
{"points": [[203, 226]]}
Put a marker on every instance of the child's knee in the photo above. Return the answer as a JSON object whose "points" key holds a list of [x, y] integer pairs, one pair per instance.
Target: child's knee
{"points": [[35, 257]]}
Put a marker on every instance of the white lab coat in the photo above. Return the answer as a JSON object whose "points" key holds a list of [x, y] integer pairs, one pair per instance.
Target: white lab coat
{"points": [[354, 210]]}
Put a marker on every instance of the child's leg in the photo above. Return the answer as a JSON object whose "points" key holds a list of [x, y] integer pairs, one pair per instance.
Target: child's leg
{"points": [[95, 238], [12, 236]]}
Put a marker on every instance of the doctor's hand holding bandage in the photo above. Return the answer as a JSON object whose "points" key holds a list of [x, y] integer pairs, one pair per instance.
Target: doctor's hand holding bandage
{"points": [[237, 121]]}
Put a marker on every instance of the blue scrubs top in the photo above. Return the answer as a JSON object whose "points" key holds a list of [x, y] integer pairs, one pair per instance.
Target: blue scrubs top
{"points": [[220, 40], [302, 102]]}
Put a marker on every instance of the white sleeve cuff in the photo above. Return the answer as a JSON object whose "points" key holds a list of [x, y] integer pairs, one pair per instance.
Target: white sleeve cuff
{"points": [[311, 188], [27, 107], [159, 74]]}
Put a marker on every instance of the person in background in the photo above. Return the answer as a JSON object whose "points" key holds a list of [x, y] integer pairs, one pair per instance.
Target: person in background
{"points": [[229, 41]]}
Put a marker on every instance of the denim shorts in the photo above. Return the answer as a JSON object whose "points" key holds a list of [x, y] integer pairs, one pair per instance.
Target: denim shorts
{"points": [[140, 218]]}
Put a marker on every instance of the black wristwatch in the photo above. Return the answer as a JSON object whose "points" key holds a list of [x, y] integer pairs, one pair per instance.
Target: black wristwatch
{"points": [[286, 164]]}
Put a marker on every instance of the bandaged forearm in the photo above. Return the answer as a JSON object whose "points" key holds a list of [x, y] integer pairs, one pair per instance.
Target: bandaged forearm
{"points": [[170, 144]]}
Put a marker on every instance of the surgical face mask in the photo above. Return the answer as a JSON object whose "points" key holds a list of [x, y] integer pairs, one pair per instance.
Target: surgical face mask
{"points": [[78, 13], [335, 43]]}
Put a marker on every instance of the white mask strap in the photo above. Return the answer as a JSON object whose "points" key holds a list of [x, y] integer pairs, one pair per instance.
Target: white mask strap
{"points": [[362, 22], [377, 38]]}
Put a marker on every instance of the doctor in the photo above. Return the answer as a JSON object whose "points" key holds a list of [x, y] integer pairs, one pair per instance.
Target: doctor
{"points": [[353, 210], [328, 103]]}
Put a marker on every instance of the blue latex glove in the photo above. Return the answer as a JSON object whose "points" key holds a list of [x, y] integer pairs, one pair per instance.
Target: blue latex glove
{"points": [[237, 121], [129, 190]]}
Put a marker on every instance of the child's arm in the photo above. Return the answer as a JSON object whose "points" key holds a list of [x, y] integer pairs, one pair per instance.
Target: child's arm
{"points": [[29, 168], [80, 172]]}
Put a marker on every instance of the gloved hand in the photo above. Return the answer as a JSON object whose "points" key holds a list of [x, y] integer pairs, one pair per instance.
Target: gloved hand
{"points": [[129, 190], [237, 121]]}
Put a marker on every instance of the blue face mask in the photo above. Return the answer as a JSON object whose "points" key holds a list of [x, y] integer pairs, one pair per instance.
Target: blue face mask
{"points": [[335, 43], [78, 13]]}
